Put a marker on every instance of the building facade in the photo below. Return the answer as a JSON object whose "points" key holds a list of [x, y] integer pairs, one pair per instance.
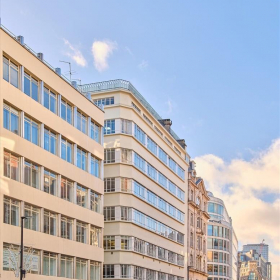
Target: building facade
{"points": [[262, 249], [51, 156], [197, 226], [146, 182], [222, 244]]}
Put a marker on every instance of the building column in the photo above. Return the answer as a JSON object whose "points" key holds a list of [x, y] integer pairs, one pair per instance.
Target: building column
{"points": [[74, 229], [58, 264], [88, 269]]}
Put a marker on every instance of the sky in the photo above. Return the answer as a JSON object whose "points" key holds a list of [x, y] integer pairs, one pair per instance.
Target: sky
{"points": [[212, 67]]}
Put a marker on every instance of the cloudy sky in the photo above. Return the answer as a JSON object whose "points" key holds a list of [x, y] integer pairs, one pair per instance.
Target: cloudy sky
{"points": [[211, 66]]}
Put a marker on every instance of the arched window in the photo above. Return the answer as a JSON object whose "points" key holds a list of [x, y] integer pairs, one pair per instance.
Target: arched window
{"points": [[191, 219], [191, 239]]}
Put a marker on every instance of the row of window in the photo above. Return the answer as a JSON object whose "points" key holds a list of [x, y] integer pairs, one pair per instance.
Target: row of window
{"points": [[218, 231], [135, 272], [217, 244], [220, 257], [131, 243], [215, 208], [221, 270], [54, 264], [114, 213], [131, 157], [53, 184], [200, 243], [131, 186], [128, 126], [52, 223], [199, 223], [51, 140], [51, 100], [200, 264], [104, 101]]}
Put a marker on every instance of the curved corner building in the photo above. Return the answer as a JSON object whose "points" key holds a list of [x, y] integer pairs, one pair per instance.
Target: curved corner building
{"points": [[222, 244]]}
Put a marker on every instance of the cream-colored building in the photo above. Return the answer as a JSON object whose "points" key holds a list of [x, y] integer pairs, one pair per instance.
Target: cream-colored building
{"points": [[197, 226], [51, 156], [146, 182]]}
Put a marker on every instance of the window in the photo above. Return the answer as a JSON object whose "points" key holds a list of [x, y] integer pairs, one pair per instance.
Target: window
{"points": [[50, 141], [198, 225], [126, 126], [150, 274], [124, 242], [109, 127], [66, 150], [104, 101], [161, 276], [152, 172], [49, 223], [171, 257], [135, 107], [126, 155], [139, 162], [139, 245], [125, 184], [124, 213], [181, 172], [191, 195], [95, 132], [191, 239], [109, 155], [172, 188], [67, 189], [162, 155], [66, 112], [81, 159], [180, 260], [49, 264], [109, 213], [81, 196], [94, 166], [162, 205], [124, 271], [66, 266], [151, 249], [108, 271], [147, 119], [162, 253], [191, 260], [11, 166], [95, 201], [31, 87], [139, 273], [81, 122], [152, 198], [31, 130], [162, 180], [32, 223], [66, 228], [81, 232], [152, 146], [31, 174], [50, 100], [139, 190], [10, 72], [139, 134], [95, 269], [11, 119], [95, 236], [11, 211], [50, 182], [81, 269], [191, 219], [109, 242], [172, 164], [109, 185]]}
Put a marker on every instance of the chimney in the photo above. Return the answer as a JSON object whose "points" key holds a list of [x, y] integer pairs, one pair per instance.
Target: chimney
{"points": [[166, 123], [74, 84], [182, 143], [58, 71], [20, 39], [40, 56]]}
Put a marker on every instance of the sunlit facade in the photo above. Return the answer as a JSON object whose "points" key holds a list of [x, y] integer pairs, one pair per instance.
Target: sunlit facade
{"points": [[222, 243], [51, 155]]}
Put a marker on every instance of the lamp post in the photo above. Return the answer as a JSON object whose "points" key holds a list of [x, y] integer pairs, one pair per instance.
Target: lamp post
{"points": [[22, 271]]}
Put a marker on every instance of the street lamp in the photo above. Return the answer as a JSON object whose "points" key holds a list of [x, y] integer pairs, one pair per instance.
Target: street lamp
{"points": [[22, 271]]}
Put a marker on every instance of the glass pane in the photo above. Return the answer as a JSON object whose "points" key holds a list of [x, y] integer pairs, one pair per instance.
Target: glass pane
{"points": [[63, 110], [6, 119], [14, 77], [35, 90], [26, 86], [14, 123], [27, 130], [5, 69], [46, 99]]}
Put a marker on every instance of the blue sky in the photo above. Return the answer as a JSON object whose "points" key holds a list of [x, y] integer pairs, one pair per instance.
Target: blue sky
{"points": [[210, 66]]}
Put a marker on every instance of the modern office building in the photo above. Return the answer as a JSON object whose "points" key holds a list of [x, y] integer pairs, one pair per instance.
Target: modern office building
{"points": [[261, 248], [197, 226], [51, 156], [146, 183], [222, 244], [253, 266]]}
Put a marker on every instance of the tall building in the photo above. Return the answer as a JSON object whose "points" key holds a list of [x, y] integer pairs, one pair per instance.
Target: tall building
{"points": [[261, 248], [51, 156], [197, 226], [146, 183], [222, 244], [253, 266]]}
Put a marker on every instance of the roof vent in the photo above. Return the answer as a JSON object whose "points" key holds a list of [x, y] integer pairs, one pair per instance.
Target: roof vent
{"points": [[166, 123], [20, 39], [58, 71], [74, 84], [40, 56], [182, 143]]}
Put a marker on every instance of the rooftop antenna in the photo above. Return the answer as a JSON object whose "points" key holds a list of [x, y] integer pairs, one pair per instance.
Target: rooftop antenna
{"points": [[70, 70]]}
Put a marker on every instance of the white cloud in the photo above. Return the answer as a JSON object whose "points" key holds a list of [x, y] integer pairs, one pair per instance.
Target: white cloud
{"points": [[101, 51], [75, 54], [245, 186], [169, 106], [143, 65]]}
